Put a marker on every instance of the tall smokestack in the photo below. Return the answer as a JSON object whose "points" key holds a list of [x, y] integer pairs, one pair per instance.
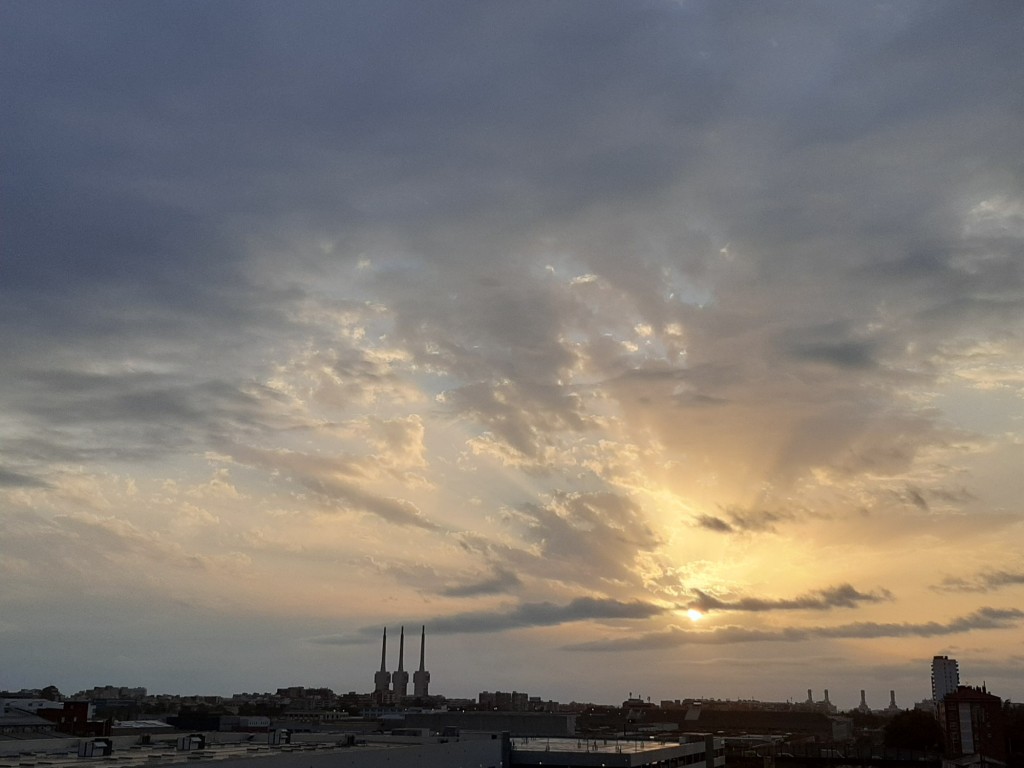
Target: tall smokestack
{"points": [[400, 679], [810, 696], [382, 679], [863, 702], [892, 700], [421, 678]]}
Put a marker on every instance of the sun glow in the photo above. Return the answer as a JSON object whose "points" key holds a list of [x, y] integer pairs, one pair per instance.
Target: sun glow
{"points": [[694, 614]]}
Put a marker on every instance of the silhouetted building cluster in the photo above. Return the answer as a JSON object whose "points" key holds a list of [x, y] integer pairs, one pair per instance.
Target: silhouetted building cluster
{"points": [[973, 720], [975, 728], [503, 701]]}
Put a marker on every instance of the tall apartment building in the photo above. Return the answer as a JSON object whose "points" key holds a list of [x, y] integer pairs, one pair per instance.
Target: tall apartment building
{"points": [[945, 677]]}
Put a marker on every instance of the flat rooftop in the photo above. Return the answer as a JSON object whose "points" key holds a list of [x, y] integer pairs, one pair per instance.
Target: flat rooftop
{"points": [[610, 753], [159, 755], [603, 746]]}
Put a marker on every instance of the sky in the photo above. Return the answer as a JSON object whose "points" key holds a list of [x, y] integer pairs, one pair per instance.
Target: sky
{"points": [[671, 349]]}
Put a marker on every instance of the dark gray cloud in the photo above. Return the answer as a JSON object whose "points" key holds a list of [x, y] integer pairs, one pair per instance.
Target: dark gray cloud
{"points": [[839, 596], [162, 168], [833, 344], [545, 615], [70, 415], [519, 616], [987, 581], [713, 523], [741, 520], [10, 478], [231, 113], [501, 581], [982, 619], [924, 497]]}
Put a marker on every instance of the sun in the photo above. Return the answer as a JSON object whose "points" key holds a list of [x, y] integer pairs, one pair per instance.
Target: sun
{"points": [[694, 614]]}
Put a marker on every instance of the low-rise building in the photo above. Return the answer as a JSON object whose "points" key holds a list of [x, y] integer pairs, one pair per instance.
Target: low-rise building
{"points": [[29, 705], [972, 721], [550, 724], [24, 725], [698, 750]]}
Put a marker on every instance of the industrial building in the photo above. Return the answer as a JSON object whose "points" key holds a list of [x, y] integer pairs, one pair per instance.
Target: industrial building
{"points": [[515, 723], [393, 687], [463, 749], [291, 751]]}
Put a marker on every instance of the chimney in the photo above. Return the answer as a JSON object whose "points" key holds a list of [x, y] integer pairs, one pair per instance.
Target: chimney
{"points": [[421, 678], [400, 678], [382, 679]]}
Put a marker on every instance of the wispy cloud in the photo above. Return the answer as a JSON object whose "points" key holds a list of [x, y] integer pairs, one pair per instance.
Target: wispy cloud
{"points": [[743, 521], [673, 636], [338, 481], [840, 596], [499, 582], [545, 615], [9, 477], [987, 581], [519, 616]]}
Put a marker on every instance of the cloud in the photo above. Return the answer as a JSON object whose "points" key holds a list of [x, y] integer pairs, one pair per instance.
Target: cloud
{"points": [[580, 538], [337, 481], [98, 547], [526, 417], [532, 301], [10, 478], [518, 616], [713, 523], [840, 596], [743, 521], [85, 416], [987, 581], [545, 614], [501, 581], [362, 637], [835, 344], [674, 636]]}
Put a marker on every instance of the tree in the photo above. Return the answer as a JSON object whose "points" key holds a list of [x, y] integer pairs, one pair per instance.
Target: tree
{"points": [[1013, 715], [913, 729]]}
